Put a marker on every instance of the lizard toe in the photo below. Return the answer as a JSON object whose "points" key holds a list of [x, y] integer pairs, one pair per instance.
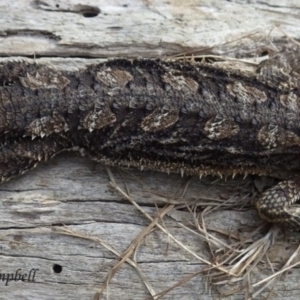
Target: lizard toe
{"points": [[278, 204]]}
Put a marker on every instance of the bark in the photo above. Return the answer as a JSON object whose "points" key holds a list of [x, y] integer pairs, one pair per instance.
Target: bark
{"points": [[70, 222]]}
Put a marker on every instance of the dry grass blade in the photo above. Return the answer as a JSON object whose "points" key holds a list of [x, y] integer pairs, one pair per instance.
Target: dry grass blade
{"points": [[117, 188], [73, 233], [181, 282], [238, 260], [269, 280], [234, 258], [207, 49], [253, 253], [126, 254]]}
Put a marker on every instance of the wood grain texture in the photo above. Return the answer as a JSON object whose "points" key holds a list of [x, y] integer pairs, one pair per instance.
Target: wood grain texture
{"points": [[75, 192]]}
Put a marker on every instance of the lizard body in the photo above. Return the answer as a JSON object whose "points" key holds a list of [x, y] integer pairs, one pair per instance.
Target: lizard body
{"points": [[171, 116]]}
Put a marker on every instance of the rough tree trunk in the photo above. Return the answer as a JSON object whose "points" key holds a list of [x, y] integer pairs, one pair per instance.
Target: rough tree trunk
{"points": [[68, 222]]}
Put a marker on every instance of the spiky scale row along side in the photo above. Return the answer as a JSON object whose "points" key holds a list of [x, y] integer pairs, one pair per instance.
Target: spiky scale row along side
{"points": [[169, 116]]}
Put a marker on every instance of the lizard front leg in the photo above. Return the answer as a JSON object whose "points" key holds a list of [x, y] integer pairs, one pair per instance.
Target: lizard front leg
{"points": [[278, 204]]}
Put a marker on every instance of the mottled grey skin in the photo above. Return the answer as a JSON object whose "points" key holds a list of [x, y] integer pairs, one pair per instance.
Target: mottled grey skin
{"points": [[182, 117]]}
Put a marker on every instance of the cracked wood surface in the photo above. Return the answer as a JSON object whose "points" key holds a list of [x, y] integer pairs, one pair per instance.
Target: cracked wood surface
{"points": [[72, 193]]}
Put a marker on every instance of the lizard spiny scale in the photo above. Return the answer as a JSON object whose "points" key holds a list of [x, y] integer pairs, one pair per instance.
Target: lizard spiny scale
{"points": [[170, 116]]}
